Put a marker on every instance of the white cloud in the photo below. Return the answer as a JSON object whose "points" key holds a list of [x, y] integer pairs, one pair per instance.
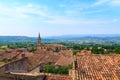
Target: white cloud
{"points": [[78, 22], [99, 2], [29, 5], [115, 20], [29, 10], [93, 11], [107, 2], [62, 5], [115, 2], [71, 12], [21, 11]]}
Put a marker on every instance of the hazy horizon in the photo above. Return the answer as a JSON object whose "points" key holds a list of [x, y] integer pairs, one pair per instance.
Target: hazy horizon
{"points": [[73, 35], [59, 17]]}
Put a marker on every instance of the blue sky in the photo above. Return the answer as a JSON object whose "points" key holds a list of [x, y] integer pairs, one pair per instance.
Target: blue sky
{"points": [[59, 17]]}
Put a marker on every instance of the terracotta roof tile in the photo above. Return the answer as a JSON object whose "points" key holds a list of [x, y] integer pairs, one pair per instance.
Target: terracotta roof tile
{"points": [[66, 53], [64, 61], [58, 77], [41, 57], [99, 67]]}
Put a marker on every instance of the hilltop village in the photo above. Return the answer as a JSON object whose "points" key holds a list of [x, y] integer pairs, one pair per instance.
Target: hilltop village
{"points": [[24, 65]]}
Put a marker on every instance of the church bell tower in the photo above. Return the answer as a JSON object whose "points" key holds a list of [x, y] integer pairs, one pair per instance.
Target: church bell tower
{"points": [[39, 40]]}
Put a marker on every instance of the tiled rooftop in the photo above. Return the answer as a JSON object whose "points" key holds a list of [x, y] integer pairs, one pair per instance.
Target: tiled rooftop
{"points": [[64, 61], [41, 57], [48, 76], [99, 67], [11, 53], [58, 77]]}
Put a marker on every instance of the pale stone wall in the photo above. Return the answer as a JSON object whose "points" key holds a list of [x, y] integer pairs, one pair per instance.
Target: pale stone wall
{"points": [[17, 66], [37, 69], [4, 76], [74, 74], [2, 70]]}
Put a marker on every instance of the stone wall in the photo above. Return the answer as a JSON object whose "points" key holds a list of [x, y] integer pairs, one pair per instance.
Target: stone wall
{"points": [[3, 75], [39, 68], [17, 66], [74, 74]]}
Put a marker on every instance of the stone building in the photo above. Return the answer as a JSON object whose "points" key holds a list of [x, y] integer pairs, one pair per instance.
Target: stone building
{"points": [[96, 67], [49, 47], [86, 66], [27, 63]]}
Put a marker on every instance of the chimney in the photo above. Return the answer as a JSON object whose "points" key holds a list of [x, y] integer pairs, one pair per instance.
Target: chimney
{"points": [[74, 71], [22, 55]]}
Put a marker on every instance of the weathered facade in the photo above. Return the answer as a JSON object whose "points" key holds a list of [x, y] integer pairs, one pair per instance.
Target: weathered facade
{"points": [[86, 66], [17, 66], [49, 47]]}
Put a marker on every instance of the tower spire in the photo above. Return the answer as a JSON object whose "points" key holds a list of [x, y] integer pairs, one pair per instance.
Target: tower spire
{"points": [[39, 39]]}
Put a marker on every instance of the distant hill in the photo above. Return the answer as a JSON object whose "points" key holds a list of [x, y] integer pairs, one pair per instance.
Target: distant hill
{"points": [[9, 39], [53, 39], [84, 37], [16, 39]]}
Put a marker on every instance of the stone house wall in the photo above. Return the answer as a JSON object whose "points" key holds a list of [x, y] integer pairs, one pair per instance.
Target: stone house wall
{"points": [[17, 66]]}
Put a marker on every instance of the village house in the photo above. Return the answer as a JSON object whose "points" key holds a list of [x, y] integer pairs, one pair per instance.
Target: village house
{"points": [[85, 65], [25, 62], [96, 67]]}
